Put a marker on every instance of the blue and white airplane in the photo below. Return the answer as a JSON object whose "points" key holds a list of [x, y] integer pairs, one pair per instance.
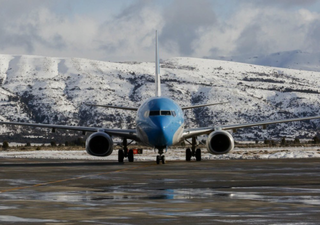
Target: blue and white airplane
{"points": [[159, 124]]}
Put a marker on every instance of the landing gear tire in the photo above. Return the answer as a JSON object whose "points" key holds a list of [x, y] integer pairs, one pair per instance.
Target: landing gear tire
{"points": [[120, 156], [198, 154], [188, 155], [130, 156], [163, 159], [158, 159]]}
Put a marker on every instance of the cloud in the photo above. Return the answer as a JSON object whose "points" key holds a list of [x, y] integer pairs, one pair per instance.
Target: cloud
{"points": [[313, 34], [16, 8], [16, 28], [130, 34], [186, 28], [183, 19], [276, 30], [284, 3], [253, 31], [32, 28], [249, 41]]}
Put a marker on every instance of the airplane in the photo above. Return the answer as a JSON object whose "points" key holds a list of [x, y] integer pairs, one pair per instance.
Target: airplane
{"points": [[159, 124]]}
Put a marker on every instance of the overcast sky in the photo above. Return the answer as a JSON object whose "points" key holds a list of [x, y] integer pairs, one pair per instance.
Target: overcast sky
{"points": [[123, 30]]}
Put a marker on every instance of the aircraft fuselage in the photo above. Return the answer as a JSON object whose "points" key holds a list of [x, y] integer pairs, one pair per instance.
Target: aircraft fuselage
{"points": [[160, 122]]}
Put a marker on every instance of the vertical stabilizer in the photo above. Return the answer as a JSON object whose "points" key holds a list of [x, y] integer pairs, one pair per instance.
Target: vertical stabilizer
{"points": [[157, 78]]}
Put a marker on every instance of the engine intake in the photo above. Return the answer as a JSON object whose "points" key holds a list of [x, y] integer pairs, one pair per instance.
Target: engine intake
{"points": [[99, 144], [220, 142]]}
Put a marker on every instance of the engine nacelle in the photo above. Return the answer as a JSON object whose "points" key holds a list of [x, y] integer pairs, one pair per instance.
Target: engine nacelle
{"points": [[220, 142], [99, 144]]}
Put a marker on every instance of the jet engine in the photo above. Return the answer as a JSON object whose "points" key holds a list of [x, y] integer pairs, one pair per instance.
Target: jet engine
{"points": [[99, 144], [220, 142]]}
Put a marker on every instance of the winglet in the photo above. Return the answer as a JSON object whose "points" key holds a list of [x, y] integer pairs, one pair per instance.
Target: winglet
{"points": [[157, 78]]}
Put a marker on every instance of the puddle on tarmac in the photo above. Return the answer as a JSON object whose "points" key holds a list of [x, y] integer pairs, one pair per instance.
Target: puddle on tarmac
{"points": [[307, 196], [14, 219], [7, 207], [15, 182]]}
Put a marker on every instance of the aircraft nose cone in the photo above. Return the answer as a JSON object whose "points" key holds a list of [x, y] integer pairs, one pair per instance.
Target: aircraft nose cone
{"points": [[162, 131], [162, 122]]}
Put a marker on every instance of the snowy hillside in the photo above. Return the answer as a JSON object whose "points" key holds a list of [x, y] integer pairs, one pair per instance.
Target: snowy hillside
{"points": [[174, 154], [291, 59], [52, 90]]}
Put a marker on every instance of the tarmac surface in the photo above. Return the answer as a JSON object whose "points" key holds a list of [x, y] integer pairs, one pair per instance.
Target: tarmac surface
{"points": [[282, 191]]}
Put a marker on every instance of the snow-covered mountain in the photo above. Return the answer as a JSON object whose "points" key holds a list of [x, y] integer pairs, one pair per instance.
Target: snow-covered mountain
{"points": [[52, 90], [297, 59]]}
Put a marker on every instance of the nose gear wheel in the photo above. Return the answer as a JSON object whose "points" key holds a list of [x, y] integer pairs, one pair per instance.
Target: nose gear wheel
{"points": [[161, 158]]}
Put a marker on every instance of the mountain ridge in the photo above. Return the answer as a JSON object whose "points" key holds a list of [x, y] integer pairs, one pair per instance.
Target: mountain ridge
{"points": [[295, 59], [52, 90]]}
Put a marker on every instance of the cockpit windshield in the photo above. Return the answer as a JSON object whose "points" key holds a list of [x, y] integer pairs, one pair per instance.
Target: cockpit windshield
{"points": [[165, 113], [162, 113], [154, 113]]}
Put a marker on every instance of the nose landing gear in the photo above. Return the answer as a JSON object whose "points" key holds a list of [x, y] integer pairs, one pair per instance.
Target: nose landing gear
{"points": [[160, 157]]}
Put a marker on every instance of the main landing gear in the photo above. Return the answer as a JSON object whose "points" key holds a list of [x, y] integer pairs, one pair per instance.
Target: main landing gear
{"points": [[125, 153], [160, 157], [193, 152]]}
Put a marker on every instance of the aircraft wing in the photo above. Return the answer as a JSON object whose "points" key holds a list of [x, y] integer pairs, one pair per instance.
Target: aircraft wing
{"points": [[188, 133], [126, 133], [113, 107], [200, 106]]}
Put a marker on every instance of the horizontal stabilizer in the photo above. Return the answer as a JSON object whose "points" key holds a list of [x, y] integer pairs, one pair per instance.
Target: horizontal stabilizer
{"points": [[199, 106], [113, 107]]}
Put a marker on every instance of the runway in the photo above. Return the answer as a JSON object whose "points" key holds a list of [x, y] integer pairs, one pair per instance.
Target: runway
{"points": [[37, 191]]}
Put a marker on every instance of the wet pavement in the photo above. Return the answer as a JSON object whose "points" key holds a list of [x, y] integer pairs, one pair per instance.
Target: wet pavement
{"points": [[284, 191]]}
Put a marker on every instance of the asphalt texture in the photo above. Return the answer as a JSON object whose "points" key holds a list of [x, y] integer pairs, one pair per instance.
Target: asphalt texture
{"points": [[284, 191]]}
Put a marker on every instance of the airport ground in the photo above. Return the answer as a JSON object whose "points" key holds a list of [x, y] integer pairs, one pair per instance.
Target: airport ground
{"points": [[280, 191]]}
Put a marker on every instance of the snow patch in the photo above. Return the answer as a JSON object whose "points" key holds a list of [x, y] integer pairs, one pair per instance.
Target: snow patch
{"points": [[174, 155]]}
